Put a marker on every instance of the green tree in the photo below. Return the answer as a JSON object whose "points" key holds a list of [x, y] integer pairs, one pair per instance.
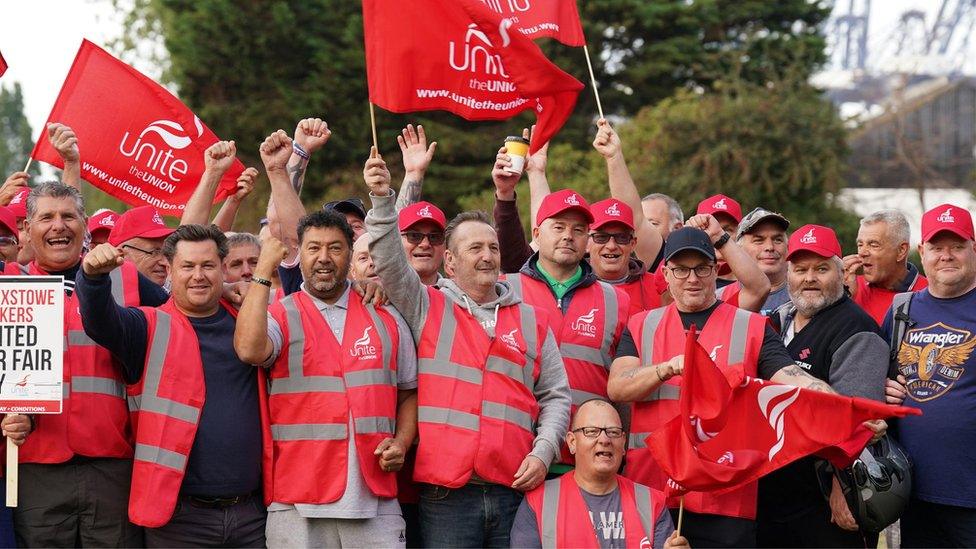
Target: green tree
{"points": [[16, 137], [249, 67]]}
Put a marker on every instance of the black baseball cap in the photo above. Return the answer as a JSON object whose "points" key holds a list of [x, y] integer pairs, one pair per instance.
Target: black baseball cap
{"points": [[349, 205], [689, 238]]}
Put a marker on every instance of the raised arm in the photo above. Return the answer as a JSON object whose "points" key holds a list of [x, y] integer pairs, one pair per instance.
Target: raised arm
{"points": [[217, 159], [311, 134], [755, 283], [416, 159], [275, 152], [622, 187], [228, 210], [535, 169], [15, 183], [511, 236], [251, 341], [64, 140]]}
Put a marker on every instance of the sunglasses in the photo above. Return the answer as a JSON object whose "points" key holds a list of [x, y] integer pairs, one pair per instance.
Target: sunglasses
{"points": [[622, 239], [416, 237]]}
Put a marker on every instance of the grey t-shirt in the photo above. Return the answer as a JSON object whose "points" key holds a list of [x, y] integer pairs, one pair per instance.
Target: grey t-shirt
{"points": [[774, 300], [357, 502], [606, 515]]}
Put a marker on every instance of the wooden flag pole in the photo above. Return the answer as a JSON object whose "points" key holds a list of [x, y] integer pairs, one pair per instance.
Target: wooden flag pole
{"points": [[599, 107], [12, 457], [681, 514], [372, 121], [29, 160]]}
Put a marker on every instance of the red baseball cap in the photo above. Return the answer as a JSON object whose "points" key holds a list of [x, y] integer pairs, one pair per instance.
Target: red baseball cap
{"points": [[947, 217], [103, 220], [563, 201], [814, 238], [18, 204], [141, 222], [720, 203], [9, 220], [611, 210], [421, 211]]}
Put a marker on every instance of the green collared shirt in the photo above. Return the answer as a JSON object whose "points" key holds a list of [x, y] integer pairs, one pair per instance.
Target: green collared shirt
{"points": [[560, 288]]}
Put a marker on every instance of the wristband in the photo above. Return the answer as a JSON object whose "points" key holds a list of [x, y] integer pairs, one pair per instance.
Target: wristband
{"points": [[261, 281], [722, 241], [657, 372], [299, 150]]}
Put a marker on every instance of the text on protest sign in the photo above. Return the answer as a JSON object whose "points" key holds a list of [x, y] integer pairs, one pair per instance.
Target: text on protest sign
{"points": [[31, 344]]}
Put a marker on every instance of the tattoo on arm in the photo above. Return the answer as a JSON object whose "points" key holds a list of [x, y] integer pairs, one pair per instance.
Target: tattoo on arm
{"points": [[629, 374], [409, 193], [297, 173]]}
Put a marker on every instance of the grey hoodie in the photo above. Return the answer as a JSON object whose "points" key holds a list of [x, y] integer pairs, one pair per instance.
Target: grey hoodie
{"points": [[408, 294]]}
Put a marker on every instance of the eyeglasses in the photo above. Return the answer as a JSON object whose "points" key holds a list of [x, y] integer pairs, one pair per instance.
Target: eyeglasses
{"points": [[594, 432], [155, 252], [8, 241], [416, 237], [682, 273], [622, 239]]}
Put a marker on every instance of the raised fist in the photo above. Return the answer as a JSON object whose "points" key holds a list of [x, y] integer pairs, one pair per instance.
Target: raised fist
{"points": [[64, 140], [312, 134], [220, 156], [276, 150], [376, 174], [103, 259]]}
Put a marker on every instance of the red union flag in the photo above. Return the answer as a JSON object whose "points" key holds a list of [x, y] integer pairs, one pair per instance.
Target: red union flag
{"points": [[3, 65], [557, 19], [138, 142], [761, 427], [462, 57]]}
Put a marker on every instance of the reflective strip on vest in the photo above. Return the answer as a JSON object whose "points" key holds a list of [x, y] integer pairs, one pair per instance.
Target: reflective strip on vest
{"points": [[651, 322], [309, 431], [515, 283], [374, 424], [447, 416], [118, 288], [151, 401], [160, 456], [79, 338], [579, 397], [581, 352], [636, 440], [509, 414], [65, 389], [521, 374], [134, 402], [610, 307], [643, 496], [663, 392], [550, 512], [98, 385], [740, 330]]}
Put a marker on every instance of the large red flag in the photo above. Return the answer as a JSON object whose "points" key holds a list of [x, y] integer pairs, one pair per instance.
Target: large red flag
{"points": [[557, 19], [138, 142], [3, 65], [761, 427], [461, 57]]}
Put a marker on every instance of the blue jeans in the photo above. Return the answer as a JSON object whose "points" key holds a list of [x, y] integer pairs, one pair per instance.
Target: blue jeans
{"points": [[474, 515]]}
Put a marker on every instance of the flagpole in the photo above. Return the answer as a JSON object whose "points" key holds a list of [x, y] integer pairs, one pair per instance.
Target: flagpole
{"points": [[681, 514], [589, 65], [372, 121], [29, 160]]}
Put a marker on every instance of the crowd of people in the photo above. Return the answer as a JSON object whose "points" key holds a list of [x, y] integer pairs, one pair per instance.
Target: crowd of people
{"points": [[386, 375]]}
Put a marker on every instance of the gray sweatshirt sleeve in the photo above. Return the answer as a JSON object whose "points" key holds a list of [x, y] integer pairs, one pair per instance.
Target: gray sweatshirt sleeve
{"points": [[400, 282], [859, 366], [552, 393]]}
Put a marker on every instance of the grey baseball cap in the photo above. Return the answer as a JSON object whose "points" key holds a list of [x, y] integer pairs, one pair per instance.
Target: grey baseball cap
{"points": [[757, 216]]}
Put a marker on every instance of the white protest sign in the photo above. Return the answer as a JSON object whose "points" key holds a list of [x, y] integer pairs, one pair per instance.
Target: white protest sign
{"points": [[31, 344]]}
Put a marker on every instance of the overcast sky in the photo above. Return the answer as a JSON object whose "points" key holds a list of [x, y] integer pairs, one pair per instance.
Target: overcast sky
{"points": [[39, 39]]}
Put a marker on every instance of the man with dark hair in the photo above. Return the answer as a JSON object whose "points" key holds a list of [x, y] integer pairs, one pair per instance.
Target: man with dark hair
{"points": [[493, 402], [196, 478], [77, 463], [336, 446]]}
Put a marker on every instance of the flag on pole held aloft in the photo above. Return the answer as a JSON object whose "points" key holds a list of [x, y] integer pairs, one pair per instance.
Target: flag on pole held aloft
{"points": [[137, 141], [715, 446], [533, 19], [3, 65], [461, 56]]}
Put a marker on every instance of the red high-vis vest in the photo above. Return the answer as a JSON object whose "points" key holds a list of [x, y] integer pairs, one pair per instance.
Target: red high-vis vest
{"points": [[94, 420], [476, 411], [316, 383], [642, 292], [587, 334], [730, 293], [733, 337], [564, 520]]}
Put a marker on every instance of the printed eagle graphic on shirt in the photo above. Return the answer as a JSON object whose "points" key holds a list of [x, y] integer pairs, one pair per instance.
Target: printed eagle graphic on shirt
{"points": [[931, 355]]}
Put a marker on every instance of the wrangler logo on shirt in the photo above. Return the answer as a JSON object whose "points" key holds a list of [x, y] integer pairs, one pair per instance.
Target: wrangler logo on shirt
{"points": [[931, 359]]}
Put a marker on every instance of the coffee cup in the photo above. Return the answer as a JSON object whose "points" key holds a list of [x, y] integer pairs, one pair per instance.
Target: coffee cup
{"points": [[518, 149]]}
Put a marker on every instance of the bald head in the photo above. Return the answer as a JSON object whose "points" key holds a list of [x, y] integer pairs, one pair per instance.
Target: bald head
{"points": [[594, 407]]}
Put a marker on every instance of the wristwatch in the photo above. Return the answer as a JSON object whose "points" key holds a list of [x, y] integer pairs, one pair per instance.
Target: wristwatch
{"points": [[722, 241], [263, 281]]}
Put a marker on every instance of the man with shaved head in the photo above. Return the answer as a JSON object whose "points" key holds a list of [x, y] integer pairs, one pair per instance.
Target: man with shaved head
{"points": [[621, 513]]}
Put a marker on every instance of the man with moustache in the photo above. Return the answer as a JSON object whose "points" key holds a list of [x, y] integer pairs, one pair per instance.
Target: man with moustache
{"points": [[342, 397], [594, 503], [882, 256], [77, 463], [762, 235], [493, 400], [834, 340], [139, 233], [934, 354]]}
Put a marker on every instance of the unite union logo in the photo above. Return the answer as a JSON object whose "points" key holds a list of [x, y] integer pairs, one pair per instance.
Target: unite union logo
{"points": [[946, 216], [572, 200], [809, 238], [584, 324], [425, 212], [720, 205], [509, 339], [613, 210], [363, 347]]}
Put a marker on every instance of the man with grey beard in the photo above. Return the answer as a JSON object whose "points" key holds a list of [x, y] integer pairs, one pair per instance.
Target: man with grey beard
{"points": [[834, 340]]}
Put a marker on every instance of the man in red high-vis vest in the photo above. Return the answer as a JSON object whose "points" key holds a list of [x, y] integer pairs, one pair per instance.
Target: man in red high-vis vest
{"points": [[342, 399], [493, 401], [612, 243], [593, 506], [75, 466], [196, 408], [649, 362]]}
